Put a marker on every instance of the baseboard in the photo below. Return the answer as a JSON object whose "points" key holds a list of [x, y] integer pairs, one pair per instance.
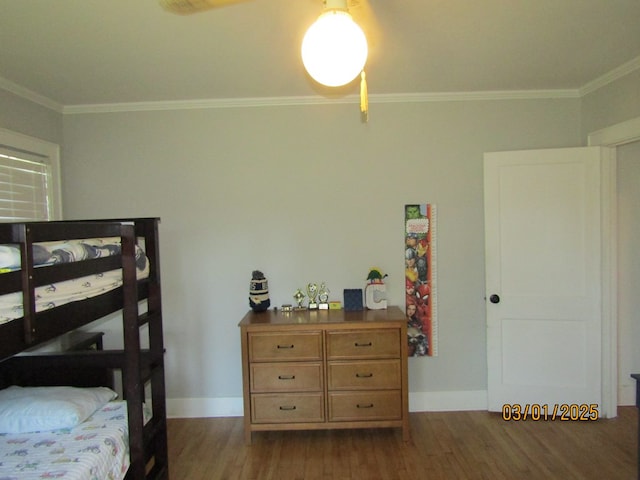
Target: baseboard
{"points": [[204, 407], [448, 401], [418, 402], [626, 395]]}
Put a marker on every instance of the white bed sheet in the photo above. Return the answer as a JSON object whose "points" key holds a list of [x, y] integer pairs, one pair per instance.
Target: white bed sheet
{"points": [[97, 449], [57, 294]]}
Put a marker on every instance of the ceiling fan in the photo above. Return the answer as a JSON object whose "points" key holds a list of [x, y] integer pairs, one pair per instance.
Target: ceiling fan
{"points": [[185, 7], [329, 59]]}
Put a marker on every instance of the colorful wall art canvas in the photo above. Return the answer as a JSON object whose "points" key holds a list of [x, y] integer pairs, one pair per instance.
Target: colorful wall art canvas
{"points": [[420, 279]]}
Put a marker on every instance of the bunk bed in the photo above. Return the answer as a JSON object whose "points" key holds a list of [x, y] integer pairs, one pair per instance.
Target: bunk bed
{"points": [[127, 248]]}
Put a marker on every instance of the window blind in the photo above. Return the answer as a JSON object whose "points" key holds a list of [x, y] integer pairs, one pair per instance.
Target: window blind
{"points": [[25, 186]]}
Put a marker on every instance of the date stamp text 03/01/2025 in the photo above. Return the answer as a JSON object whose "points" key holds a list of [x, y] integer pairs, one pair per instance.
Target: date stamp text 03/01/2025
{"points": [[560, 411]]}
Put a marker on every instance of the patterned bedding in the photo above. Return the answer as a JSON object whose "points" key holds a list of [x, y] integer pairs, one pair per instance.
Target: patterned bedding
{"points": [[51, 296], [97, 449]]}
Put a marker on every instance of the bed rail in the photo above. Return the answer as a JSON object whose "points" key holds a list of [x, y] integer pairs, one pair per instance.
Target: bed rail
{"points": [[36, 328]]}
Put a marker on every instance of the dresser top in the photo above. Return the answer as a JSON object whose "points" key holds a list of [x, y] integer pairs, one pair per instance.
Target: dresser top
{"points": [[317, 317]]}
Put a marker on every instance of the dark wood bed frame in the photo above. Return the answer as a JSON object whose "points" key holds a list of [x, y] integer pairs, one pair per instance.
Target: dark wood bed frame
{"points": [[142, 369]]}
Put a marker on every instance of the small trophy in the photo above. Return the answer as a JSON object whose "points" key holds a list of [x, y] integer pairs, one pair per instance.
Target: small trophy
{"points": [[323, 296], [299, 298], [312, 292]]}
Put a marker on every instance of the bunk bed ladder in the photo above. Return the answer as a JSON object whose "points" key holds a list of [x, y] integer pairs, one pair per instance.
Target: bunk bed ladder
{"points": [[133, 388], [147, 443], [156, 435]]}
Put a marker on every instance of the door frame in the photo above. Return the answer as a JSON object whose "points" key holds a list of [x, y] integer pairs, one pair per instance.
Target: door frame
{"points": [[610, 138]]}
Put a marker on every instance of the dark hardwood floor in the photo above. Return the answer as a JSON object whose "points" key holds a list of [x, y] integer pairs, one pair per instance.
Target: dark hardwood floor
{"points": [[451, 445]]}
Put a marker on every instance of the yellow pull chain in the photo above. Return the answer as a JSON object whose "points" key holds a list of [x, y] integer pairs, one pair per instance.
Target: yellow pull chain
{"points": [[364, 98]]}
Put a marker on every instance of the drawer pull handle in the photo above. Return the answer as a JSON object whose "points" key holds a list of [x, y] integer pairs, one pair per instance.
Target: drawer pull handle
{"points": [[368, 405], [288, 407], [364, 375], [286, 377], [358, 344], [285, 347]]}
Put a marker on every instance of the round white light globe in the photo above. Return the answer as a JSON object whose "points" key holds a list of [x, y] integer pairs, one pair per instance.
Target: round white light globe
{"points": [[334, 49]]}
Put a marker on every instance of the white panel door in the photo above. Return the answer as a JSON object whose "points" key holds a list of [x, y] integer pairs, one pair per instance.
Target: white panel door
{"points": [[543, 280]]}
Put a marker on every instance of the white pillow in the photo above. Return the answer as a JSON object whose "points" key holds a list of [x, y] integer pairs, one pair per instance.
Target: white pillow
{"points": [[32, 409]]}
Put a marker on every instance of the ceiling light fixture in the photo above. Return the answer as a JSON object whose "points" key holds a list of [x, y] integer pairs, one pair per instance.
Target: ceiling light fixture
{"points": [[334, 49]]}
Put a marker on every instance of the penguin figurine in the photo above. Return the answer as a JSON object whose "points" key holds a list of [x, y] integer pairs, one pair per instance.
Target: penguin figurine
{"points": [[259, 292]]}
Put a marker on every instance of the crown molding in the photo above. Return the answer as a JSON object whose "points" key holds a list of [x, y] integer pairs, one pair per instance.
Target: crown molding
{"points": [[472, 96], [254, 102], [202, 104], [317, 100], [609, 77], [30, 95]]}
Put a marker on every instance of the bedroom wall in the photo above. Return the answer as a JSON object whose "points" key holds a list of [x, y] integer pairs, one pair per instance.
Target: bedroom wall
{"points": [[613, 103], [437, 147], [304, 193], [23, 116]]}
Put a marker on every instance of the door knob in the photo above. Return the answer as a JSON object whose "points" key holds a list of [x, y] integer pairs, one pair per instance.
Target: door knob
{"points": [[494, 298]]}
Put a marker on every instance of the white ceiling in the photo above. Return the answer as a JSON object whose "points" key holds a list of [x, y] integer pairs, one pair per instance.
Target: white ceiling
{"points": [[83, 52]]}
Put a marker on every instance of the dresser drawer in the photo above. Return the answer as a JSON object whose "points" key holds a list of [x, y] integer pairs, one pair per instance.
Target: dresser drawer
{"points": [[286, 377], [364, 375], [287, 407], [283, 346], [353, 406], [374, 343]]}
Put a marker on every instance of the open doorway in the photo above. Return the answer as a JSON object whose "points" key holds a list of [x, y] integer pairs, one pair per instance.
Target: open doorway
{"points": [[621, 139], [628, 199]]}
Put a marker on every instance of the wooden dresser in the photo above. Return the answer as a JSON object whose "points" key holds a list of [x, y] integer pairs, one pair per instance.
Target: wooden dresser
{"points": [[324, 369]]}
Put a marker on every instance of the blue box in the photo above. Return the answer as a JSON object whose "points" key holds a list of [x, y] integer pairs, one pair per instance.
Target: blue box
{"points": [[353, 299]]}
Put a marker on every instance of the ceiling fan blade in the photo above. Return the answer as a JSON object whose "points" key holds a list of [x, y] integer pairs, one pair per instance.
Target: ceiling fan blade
{"points": [[185, 7]]}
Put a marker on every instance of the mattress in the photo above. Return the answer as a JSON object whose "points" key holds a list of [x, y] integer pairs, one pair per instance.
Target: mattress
{"points": [[56, 294], [97, 449]]}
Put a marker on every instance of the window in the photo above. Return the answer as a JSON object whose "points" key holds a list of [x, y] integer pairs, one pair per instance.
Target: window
{"points": [[29, 179]]}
